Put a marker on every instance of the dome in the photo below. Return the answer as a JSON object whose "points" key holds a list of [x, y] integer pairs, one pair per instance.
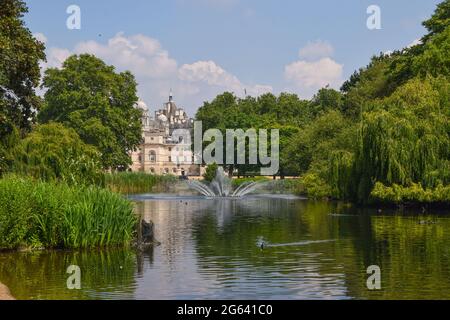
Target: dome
{"points": [[141, 105]]}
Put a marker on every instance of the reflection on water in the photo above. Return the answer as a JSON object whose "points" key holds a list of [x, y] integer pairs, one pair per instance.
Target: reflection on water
{"points": [[210, 249]]}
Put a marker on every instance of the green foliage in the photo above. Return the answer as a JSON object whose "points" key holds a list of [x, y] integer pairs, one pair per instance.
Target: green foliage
{"points": [[20, 55], [404, 141], [414, 193], [326, 99], [365, 85], [440, 19], [210, 172], [98, 103], [41, 214], [137, 182], [313, 186], [286, 113], [237, 182], [53, 152]]}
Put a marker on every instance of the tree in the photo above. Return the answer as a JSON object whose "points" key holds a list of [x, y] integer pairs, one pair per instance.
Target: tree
{"points": [[20, 54], [326, 99], [210, 172], [53, 152], [439, 21], [90, 97]]}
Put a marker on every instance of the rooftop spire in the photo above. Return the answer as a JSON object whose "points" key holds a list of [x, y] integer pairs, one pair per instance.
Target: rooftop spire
{"points": [[170, 95]]}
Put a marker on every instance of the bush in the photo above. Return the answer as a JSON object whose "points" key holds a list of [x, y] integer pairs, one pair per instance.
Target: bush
{"points": [[414, 193], [42, 214], [314, 187]]}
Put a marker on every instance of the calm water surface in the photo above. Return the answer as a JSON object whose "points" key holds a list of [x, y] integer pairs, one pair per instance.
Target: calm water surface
{"points": [[210, 249]]}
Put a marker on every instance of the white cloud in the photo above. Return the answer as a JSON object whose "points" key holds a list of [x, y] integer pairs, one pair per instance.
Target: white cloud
{"points": [[40, 37], [315, 69], [414, 43], [208, 72], [316, 50], [56, 57], [315, 74], [156, 72], [142, 55]]}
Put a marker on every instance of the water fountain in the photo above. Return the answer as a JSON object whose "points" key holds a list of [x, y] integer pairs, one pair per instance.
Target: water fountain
{"points": [[221, 187]]}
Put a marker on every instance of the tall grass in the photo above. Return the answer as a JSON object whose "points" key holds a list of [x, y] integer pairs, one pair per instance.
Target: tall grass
{"points": [[43, 214], [138, 182]]}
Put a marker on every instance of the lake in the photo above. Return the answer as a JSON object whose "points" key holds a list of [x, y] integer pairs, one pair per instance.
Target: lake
{"points": [[212, 249]]}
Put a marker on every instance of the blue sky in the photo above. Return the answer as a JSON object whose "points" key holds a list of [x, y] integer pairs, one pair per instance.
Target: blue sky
{"points": [[203, 47]]}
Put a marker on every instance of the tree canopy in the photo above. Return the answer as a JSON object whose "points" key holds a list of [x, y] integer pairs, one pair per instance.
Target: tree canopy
{"points": [[20, 55], [98, 103], [388, 126]]}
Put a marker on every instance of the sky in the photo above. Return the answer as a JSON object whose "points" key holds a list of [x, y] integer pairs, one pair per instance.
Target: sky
{"points": [[200, 48]]}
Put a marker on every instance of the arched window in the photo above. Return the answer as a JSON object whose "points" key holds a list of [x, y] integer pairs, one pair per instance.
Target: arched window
{"points": [[152, 156], [152, 170]]}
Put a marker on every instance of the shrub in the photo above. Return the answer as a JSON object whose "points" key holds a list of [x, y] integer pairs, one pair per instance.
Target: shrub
{"points": [[314, 186], [414, 193]]}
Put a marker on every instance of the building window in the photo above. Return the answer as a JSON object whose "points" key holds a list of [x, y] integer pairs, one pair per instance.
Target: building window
{"points": [[170, 149], [152, 170], [180, 139], [174, 170], [170, 159], [152, 156], [166, 171]]}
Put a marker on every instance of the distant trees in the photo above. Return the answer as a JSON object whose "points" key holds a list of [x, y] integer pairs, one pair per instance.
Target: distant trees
{"points": [[285, 113], [389, 126], [98, 103]]}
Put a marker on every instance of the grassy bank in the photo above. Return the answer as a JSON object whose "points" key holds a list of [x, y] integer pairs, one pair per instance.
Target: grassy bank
{"points": [[42, 214], [138, 182], [238, 181]]}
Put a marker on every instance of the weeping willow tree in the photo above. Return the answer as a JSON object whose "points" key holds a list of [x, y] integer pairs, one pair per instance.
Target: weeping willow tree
{"points": [[404, 140], [54, 152]]}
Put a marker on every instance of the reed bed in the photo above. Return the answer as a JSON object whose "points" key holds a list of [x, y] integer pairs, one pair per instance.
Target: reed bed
{"points": [[36, 214], [138, 182]]}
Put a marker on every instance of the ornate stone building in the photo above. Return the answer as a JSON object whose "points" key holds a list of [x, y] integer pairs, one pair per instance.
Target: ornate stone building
{"points": [[163, 149]]}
